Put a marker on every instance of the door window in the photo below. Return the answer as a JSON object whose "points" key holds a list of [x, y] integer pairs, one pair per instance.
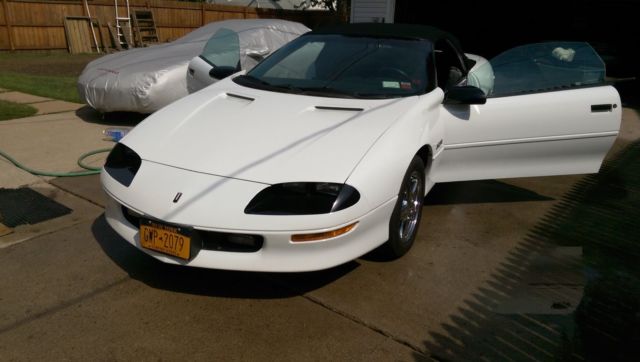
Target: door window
{"points": [[543, 67]]}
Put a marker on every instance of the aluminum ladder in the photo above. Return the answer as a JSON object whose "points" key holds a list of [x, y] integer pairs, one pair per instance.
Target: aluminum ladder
{"points": [[124, 36]]}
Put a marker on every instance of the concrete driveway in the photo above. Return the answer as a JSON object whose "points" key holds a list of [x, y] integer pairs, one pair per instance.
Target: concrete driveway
{"points": [[501, 270]]}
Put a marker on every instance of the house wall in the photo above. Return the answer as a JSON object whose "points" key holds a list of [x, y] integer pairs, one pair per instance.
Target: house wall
{"points": [[263, 4], [376, 11]]}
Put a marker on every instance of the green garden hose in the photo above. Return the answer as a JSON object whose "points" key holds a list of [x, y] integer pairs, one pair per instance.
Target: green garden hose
{"points": [[90, 170]]}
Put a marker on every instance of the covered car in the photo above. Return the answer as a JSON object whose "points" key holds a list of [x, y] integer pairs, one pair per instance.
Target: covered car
{"points": [[146, 79], [326, 149]]}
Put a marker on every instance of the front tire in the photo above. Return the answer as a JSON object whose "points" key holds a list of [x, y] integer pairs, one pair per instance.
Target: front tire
{"points": [[405, 219]]}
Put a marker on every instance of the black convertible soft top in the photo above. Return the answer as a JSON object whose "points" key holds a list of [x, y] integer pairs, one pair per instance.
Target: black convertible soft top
{"points": [[401, 31], [406, 31]]}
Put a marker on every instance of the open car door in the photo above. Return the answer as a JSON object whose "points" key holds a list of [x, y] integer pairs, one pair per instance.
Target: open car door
{"points": [[548, 112]]}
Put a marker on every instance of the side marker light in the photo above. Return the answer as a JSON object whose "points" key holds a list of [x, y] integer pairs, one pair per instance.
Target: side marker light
{"points": [[301, 238]]}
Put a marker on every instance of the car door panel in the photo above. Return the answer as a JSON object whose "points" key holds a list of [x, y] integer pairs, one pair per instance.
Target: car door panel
{"points": [[551, 133]]}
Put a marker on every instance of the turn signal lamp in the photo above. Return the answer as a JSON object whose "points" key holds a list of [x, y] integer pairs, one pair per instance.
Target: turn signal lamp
{"points": [[302, 238]]}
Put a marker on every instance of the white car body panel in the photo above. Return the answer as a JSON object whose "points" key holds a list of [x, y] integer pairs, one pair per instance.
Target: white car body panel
{"points": [[291, 140], [213, 202], [418, 127], [553, 133]]}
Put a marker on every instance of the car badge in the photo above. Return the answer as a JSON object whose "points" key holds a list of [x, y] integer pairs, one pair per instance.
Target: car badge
{"points": [[177, 198]]}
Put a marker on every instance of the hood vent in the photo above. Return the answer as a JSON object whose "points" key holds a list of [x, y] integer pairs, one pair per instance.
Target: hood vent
{"points": [[240, 97], [347, 109]]}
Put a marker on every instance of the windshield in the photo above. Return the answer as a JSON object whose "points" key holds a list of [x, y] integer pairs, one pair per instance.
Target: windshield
{"points": [[223, 49], [341, 66]]}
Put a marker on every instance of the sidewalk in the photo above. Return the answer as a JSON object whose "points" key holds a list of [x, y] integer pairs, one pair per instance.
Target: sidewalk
{"points": [[50, 141], [42, 104]]}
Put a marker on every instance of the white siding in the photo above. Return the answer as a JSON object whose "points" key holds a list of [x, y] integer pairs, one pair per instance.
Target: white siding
{"points": [[367, 11]]}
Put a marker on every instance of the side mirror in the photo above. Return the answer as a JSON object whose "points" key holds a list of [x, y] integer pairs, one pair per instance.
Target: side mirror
{"points": [[465, 95], [221, 72]]}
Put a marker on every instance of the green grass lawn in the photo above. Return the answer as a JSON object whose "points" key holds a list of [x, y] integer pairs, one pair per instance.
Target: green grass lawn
{"points": [[10, 110], [46, 74], [56, 87]]}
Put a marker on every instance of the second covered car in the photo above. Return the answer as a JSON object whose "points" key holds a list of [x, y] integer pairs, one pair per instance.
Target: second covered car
{"points": [[146, 79]]}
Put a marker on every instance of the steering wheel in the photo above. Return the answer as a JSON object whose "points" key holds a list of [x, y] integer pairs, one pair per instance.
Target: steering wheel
{"points": [[394, 71]]}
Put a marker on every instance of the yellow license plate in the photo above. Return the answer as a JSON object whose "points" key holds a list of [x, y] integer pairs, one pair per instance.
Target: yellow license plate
{"points": [[170, 240]]}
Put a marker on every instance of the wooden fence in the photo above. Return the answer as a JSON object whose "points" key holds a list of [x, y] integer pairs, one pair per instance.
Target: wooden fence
{"points": [[39, 24]]}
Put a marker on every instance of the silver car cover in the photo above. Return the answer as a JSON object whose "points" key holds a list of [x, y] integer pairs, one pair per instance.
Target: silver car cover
{"points": [[147, 79]]}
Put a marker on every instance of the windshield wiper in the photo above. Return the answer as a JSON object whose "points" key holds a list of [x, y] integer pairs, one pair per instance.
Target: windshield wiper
{"points": [[328, 91], [289, 87], [259, 82], [374, 95], [312, 91], [252, 79]]}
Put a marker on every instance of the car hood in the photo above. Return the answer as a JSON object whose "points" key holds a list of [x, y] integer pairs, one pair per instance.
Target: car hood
{"points": [[267, 137]]}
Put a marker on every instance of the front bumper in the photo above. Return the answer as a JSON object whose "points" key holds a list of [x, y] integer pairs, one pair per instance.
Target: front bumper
{"points": [[278, 253]]}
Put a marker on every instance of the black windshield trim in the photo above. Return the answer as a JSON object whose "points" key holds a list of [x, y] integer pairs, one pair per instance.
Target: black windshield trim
{"points": [[382, 30], [326, 93]]}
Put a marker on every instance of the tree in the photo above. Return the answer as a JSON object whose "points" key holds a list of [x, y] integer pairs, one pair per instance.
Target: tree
{"points": [[341, 7]]}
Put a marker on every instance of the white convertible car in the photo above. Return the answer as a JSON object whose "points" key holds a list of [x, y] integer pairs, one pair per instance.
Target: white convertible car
{"points": [[326, 149]]}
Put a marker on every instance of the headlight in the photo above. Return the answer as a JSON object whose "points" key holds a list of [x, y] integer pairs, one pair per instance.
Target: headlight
{"points": [[303, 198], [122, 164]]}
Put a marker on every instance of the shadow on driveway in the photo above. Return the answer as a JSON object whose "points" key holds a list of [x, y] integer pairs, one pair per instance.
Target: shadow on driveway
{"points": [[127, 119], [485, 191], [599, 220]]}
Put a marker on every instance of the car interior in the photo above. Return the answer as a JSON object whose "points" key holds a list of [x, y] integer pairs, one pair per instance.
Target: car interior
{"points": [[450, 71]]}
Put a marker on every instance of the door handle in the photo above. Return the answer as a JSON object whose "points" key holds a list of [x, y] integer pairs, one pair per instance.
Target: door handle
{"points": [[602, 107]]}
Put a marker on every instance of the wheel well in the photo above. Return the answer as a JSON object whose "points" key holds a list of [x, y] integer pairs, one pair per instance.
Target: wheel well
{"points": [[425, 154]]}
